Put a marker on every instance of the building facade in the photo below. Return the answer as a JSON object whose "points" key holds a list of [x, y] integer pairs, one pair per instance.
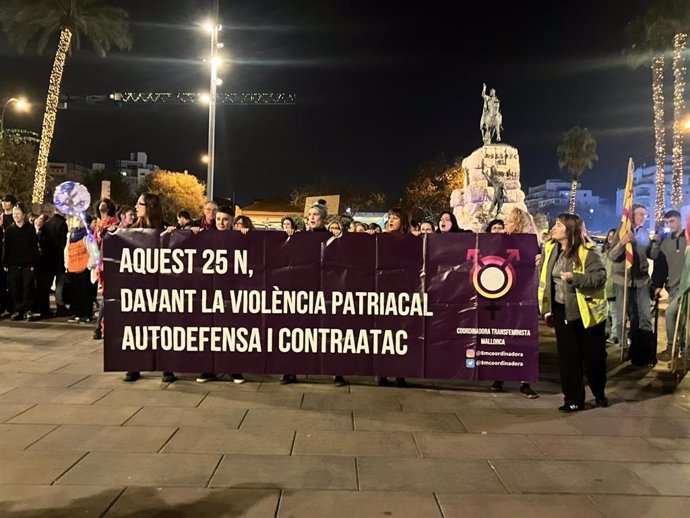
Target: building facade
{"points": [[644, 188], [552, 198], [67, 171], [135, 170]]}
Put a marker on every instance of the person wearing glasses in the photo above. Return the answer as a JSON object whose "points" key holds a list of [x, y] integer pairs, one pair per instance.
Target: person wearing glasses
{"points": [[149, 215]]}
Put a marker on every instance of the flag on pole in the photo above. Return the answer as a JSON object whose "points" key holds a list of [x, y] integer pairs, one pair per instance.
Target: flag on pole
{"points": [[627, 217]]}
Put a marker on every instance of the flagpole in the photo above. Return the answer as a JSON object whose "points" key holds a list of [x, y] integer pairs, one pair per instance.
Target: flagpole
{"points": [[626, 225], [624, 334]]}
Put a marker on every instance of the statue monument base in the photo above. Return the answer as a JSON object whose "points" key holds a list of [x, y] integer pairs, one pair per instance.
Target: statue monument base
{"points": [[472, 205]]}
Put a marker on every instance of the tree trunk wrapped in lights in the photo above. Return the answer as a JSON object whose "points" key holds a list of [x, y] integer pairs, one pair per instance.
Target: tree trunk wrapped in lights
{"points": [[573, 196], [679, 43], [659, 136], [49, 116]]}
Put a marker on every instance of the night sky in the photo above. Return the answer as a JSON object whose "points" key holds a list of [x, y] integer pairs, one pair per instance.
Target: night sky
{"points": [[380, 87]]}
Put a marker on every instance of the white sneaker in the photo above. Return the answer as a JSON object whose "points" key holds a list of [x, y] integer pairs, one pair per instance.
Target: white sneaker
{"points": [[238, 378]]}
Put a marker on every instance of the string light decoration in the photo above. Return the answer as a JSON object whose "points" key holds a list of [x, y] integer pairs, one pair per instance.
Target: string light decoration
{"points": [[679, 70], [50, 115], [659, 136]]}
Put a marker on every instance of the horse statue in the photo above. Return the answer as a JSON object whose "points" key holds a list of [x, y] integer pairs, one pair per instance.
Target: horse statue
{"points": [[491, 122]]}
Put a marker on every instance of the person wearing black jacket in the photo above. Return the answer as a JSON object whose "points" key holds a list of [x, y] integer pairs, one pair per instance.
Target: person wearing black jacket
{"points": [[8, 202], [42, 274], [19, 258], [53, 242], [316, 222]]}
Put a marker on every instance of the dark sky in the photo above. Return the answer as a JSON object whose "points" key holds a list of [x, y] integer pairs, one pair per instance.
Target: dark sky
{"points": [[380, 88]]}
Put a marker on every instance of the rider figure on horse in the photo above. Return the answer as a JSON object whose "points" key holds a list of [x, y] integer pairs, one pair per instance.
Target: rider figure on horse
{"points": [[492, 121]]}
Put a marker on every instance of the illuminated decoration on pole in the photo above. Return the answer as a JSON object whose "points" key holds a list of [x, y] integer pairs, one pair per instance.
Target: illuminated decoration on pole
{"points": [[49, 117], [679, 70], [659, 136]]}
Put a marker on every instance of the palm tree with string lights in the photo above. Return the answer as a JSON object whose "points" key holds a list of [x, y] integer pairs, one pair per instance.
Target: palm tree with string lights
{"points": [[576, 152], [36, 22], [661, 30]]}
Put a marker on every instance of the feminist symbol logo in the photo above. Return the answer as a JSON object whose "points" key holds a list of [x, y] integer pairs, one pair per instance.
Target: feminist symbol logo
{"points": [[493, 276]]}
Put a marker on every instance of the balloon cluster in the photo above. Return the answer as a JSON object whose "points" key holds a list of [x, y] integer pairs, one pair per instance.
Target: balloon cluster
{"points": [[73, 199]]}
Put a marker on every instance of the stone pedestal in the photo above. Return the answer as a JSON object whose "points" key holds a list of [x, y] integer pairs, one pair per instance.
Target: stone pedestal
{"points": [[471, 205]]}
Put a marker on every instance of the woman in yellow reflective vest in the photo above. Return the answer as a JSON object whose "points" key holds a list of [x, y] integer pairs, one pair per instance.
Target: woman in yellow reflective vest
{"points": [[572, 299]]}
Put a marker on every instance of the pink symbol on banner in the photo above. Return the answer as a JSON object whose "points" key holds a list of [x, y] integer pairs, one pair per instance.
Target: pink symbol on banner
{"points": [[493, 276]]}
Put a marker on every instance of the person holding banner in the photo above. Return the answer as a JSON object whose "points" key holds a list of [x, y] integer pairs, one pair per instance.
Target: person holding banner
{"points": [[399, 223], [225, 222], [149, 215], [517, 221], [208, 220], [572, 298], [316, 222], [447, 222]]}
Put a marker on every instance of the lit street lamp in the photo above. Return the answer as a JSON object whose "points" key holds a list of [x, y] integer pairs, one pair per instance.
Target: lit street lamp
{"points": [[213, 27], [21, 105], [204, 159]]}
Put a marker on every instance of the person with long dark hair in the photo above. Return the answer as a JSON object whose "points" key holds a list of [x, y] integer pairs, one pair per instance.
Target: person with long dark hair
{"points": [[572, 298], [398, 223], [20, 256], [149, 215], [447, 222]]}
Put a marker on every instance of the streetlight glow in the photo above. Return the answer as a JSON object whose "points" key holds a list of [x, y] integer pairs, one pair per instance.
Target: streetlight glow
{"points": [[204, 159], [204, 98], [208, 27], [22, 105]]}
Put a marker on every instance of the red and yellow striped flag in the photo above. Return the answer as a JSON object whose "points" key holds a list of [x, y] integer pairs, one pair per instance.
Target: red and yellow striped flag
{"points": [[627, 217]]}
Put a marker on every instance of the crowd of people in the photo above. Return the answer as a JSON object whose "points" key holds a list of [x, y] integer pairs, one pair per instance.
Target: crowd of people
{"points": [[578, 283]]}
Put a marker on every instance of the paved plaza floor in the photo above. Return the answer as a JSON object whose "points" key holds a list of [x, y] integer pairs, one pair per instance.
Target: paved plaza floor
{"points": [[75, 441]]}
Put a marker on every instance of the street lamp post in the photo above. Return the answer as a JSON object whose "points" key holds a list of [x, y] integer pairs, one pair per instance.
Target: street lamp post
{"points": [[21, 105], [214, 28]]}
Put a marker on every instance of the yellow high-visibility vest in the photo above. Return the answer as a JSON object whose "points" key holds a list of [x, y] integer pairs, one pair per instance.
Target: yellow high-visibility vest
{"points": [[592, 304]]}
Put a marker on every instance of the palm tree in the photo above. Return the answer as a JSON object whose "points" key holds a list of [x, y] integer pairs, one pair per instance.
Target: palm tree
{"points": [[648, 37], [36, 22], [577, 152], [665, 23]]}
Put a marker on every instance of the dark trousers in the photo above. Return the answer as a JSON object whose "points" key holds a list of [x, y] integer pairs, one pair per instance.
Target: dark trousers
{"points": [[44, 280], [580, 351], [21, 281], [5, 297], [80, 289]]}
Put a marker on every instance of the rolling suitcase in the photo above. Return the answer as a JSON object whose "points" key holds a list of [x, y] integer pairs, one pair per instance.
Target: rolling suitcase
{"points": [[643, 343]]}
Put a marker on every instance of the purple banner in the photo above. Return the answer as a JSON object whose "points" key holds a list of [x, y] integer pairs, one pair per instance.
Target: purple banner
{"points": [[436, 306]]}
